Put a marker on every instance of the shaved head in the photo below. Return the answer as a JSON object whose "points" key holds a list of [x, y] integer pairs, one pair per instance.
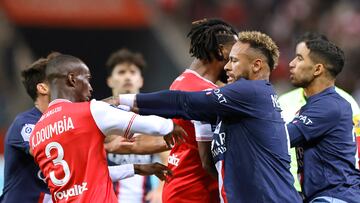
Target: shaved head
{"points": [[69, 78], [61, 65]]}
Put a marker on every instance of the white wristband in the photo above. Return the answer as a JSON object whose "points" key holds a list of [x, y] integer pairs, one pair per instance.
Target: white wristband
{"points": [[127, 99]]}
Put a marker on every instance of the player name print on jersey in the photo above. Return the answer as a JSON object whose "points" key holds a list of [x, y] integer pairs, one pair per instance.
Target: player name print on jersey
{"points": [[54, 128]]}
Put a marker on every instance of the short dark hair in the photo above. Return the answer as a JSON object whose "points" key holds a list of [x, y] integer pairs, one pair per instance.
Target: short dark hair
{"points": [[311, 36], [35, 74], [125, 56], [205, 37], [327, 53]]}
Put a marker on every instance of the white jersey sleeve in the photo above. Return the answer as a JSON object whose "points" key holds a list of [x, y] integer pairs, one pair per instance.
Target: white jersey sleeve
{"points": [[203, 131], [120, 172], [111, 120]]}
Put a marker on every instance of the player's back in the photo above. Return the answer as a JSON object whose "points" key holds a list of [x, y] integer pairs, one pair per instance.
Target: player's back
{"points": [[190, 182], [21, 174], [68, 146]]}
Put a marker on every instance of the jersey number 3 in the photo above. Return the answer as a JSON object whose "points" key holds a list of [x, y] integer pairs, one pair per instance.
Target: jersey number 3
{"points": [[58, 161]]}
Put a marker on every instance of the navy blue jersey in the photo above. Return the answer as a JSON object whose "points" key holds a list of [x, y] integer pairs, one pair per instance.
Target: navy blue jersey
{"points": [[250, 145], [22, 182], [328, 150]]}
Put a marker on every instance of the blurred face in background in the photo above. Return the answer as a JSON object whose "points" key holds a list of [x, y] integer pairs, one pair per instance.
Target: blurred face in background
{"points": [[125, 78], [302, 68]]}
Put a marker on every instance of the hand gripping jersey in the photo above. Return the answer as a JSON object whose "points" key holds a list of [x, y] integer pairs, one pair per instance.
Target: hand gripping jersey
{"points": [[292, 101], [250, 145], [190, 182], [68, 145], [23, 179], [329, 149]]}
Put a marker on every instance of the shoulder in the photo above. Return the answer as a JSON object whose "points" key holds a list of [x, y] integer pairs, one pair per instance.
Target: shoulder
{"points": [[354, 105], [23, 125], [330, 105], [191, 81]]}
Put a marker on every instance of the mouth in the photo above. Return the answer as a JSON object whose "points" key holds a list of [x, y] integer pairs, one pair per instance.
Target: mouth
{"points": [[128, 85], [229, 77]]}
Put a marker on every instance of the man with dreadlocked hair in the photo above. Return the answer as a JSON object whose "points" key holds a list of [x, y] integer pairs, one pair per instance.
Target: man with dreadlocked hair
{"points": [[211, 42], [250, 146]]}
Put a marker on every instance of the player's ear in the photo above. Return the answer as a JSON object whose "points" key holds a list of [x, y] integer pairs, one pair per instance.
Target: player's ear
{"points": [[42, 88], [318, 69], [109, 82], [256, 65], [71, 80], [221, 51]]}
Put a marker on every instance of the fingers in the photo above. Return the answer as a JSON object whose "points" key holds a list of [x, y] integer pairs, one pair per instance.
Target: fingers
{"points": [[163, 172], [169, 141], [113, 100]]}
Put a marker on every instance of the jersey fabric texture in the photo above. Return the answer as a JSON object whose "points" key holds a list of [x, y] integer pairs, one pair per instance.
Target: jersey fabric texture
{"points": [[23, 179], [190, 182], [292, 101], [329, 151], [250, 145], [69, 148]]}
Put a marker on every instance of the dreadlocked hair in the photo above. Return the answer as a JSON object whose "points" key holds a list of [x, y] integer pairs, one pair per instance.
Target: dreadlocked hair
{"points": [[205, 37]]}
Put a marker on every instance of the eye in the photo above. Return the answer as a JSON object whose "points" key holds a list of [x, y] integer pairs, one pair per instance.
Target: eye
{"points": [[121, 72]]}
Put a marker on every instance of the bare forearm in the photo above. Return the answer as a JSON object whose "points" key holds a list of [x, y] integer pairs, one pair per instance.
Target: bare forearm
{"points": [[206, 158]]}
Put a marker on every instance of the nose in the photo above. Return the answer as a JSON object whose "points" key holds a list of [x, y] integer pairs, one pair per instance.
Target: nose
{"points": [[90, 88], [292, 64], [227, 66]]}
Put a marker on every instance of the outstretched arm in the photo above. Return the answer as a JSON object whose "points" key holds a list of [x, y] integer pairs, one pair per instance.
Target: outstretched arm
{"points": [[111, 120], [141, 144], [236, 99]]}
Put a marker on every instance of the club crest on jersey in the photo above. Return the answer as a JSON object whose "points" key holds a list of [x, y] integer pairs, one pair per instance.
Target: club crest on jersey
{"points": [[26, 131]]}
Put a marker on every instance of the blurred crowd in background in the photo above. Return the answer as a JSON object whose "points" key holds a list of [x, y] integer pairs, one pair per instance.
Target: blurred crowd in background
{"points": [[158, 29]]}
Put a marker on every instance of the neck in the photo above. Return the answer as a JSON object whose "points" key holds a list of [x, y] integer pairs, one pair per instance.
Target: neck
{"points": [[42, 103], [59, 91], [261, 75], [317, 86], [209, 70]]}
